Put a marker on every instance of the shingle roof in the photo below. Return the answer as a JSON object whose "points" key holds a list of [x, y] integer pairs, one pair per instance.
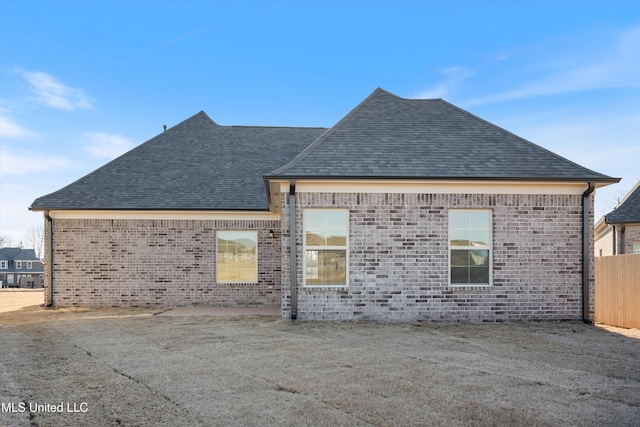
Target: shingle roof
{"points": [[390, 137], [18, 254], [195, 165], [628, 211], [199, 165]]}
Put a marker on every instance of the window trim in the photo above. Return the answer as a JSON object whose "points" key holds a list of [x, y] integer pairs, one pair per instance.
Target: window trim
{"points": [[29, 265], [635, 247], [4, 265], [327, 248], [18, 265], [228, 282], [488, 247]]}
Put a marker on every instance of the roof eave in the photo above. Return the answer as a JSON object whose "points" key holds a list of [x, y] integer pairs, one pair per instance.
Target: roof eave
{"points": [[602, 180], [54, 208]]}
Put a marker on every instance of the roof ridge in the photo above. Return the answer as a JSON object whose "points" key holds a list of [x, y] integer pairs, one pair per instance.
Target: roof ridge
{"points": [[626, 207], [275, 127], [201, 113], [315, 144], [628, 195], [533, 144]]}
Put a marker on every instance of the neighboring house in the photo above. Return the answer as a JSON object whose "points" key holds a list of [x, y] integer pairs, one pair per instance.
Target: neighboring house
{"points": [[618, 232], [20, 268], [405, 210]]}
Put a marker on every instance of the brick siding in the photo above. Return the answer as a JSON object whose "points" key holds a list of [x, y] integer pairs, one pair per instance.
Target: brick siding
{"points": [[398, 263], [155, 263], [631, 234]]}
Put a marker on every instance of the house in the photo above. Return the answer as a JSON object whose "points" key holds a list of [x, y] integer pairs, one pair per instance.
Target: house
{"points": [[20, 268], [406, 210], [618, 232]]}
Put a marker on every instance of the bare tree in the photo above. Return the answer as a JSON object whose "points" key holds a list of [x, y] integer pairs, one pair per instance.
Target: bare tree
{"points": [[35, 239], [5, 241]]}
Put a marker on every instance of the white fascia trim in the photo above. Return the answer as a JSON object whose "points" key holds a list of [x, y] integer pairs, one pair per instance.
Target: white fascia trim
{"points": [[171, 215], [438, 187]]}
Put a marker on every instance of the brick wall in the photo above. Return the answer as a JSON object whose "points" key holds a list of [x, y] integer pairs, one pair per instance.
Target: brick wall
{"points": [[398, 266], [631, 234], [155, 263]]}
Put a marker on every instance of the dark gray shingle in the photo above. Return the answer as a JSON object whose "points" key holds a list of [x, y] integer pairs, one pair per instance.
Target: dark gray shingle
{"points": [[391, 137], [195, 165], [628, 212]]}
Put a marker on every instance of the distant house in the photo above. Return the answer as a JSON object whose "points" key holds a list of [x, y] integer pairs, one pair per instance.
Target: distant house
{"points": [[20, 268], [406, 210], [618, 232]]}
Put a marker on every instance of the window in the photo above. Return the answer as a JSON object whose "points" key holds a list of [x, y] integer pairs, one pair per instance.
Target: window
{"points": [[18, 265], [29, 265], [636, 247], [326, 242], [470, 247], [3, 265], [237, 257]]}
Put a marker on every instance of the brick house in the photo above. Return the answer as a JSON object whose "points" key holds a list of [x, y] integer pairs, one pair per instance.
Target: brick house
{"points": [[406, 210], [618, 232], [20, 268]]}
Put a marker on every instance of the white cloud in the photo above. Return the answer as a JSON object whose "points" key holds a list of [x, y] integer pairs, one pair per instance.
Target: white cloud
{"points": [[54, 94], [453, 76], [26, 163], [11, 129], [106, 145], [615, 66]]}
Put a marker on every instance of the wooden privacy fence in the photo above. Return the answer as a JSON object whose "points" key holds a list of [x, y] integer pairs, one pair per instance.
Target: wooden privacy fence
{"points": [[617, 292]]}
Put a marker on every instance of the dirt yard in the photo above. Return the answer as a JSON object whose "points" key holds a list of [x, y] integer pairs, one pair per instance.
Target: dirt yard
{"points": [[15, 299], [135, 367]]}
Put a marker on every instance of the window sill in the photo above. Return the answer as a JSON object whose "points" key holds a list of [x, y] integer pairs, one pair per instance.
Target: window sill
{"points": [[470, 286], [326, 287], [237, 283]]}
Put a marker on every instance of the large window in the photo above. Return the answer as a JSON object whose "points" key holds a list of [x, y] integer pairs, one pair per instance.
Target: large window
{"points": [[326, 242], [470, 247], [237, 257]]}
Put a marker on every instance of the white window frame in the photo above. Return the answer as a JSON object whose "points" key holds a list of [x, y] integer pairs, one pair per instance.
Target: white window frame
{"points": [[635, 248], [488, 247], [324, 248], [255, 233], [4, 265], [18, 265], [29, 265]]}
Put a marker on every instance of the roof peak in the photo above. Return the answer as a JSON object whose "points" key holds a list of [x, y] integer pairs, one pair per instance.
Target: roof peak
{"points": [[387, 136], [628, 210]]}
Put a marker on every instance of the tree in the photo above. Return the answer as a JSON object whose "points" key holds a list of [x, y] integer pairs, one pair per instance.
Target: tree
{"points": [[35, 239], [5, 241]]}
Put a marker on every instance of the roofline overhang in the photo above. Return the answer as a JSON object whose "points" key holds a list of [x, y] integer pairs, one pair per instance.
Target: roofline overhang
{"points": [[621, 222], [603, 181], [156, 214], [104, 209]]}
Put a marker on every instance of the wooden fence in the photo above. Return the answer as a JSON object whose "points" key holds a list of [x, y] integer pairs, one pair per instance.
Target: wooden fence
{"points": [[617, 292]]}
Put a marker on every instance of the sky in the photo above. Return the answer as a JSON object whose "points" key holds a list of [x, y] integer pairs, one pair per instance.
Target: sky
{"points": [[82, 82]]}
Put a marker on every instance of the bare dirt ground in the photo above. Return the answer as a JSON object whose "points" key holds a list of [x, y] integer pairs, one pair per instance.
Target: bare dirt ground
{"points": [[136, 367], [15, 299]]}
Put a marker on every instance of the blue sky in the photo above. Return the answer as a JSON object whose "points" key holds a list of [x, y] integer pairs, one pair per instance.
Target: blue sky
{"points": [[84, 81]]}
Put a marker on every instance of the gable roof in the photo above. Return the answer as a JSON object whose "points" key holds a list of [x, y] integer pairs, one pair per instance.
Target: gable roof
{"points": [[195, 165], [18, 254], [627, 211], [394, 138]]}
